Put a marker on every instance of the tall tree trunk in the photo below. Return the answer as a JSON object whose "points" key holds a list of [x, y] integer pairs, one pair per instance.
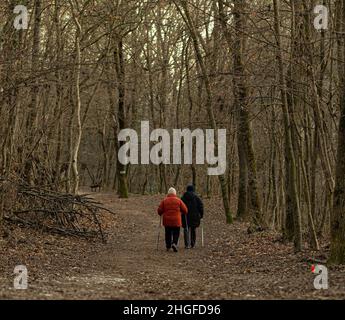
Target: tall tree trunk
{"points": [[292, 191], [59, 96], [245, 141], [33, 107], [122, 170], [248, 183], [338, 213], [76, 146]]}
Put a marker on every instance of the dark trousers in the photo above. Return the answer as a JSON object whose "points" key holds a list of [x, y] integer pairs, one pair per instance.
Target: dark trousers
{"points": [[172, 236], [190, 237]]}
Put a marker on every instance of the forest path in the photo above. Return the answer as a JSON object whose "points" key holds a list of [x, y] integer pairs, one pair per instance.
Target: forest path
{"points": [[232, 265]]}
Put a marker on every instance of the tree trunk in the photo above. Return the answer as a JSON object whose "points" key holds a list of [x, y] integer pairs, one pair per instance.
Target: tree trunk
{"points": [[338, 213], [76, 146], [248, 183], [122, 172], [292, 191], [33, 107]]}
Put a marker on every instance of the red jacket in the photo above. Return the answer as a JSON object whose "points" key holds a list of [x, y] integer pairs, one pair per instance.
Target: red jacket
{"points": [[171, 208]]}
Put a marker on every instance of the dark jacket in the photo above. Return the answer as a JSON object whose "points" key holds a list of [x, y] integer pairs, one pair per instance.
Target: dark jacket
{"points": [[195, 209]]}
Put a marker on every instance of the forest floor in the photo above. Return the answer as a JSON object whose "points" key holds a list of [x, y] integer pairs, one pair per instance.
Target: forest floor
{"points": [[232, 265]]}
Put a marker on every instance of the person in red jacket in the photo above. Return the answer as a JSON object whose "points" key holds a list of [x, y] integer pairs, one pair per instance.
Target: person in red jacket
{"points": [[172, 208]]}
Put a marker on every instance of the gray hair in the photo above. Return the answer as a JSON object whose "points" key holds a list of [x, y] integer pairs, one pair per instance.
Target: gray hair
{"points": [[172, 191]]}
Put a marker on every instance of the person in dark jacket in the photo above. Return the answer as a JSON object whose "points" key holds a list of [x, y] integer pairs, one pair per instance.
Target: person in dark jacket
{"points": [[195, 213]]}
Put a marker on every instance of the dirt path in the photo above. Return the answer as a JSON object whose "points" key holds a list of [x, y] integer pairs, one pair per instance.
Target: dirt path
{"points": [[233, 264]]}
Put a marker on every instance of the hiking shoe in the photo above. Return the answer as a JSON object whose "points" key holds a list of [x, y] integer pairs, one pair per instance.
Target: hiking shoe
{"points": [[174, 247]]}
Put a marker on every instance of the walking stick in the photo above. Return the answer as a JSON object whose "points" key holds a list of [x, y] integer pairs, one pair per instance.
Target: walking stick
{"points": [[187, 229], [202, 234], [159, 232]]}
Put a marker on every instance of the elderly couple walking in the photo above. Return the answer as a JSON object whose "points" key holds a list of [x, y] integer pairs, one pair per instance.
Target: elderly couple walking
{"points": [[186, 212]]}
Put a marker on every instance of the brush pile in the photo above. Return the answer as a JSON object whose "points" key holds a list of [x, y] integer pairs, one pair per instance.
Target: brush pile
{"points": [[51, 211]]}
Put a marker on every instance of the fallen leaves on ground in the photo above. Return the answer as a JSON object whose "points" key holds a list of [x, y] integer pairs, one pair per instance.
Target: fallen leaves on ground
{"points": [[232, 265]]}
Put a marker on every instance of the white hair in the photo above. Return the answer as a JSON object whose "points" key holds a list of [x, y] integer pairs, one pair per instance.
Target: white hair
{"points": [[172, 191]]}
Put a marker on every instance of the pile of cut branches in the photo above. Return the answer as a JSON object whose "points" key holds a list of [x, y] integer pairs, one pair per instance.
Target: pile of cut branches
{"points": [[52, 211]]}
